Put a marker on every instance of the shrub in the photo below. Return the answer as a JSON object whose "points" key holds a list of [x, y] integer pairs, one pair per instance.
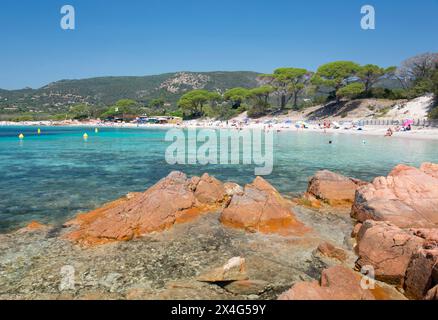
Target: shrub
{"points": [[351, 91], [433, 114], [258, 110], [384, 93]]}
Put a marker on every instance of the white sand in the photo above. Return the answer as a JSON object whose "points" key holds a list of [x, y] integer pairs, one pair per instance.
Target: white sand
{"points": [[415, 109], [416, 133]]}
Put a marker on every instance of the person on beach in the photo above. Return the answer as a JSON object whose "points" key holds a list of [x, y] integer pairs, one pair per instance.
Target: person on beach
{"points": [[389, 132]]}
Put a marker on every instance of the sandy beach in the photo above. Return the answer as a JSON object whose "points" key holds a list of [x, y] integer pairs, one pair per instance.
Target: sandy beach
{"points": [[417, 132]]}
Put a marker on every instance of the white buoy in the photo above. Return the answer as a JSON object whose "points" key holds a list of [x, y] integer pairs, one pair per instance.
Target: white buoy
{"points": [[21, 136]]}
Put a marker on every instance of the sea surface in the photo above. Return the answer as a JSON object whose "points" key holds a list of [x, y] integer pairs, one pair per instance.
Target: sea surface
{"points": [[52, 176]]}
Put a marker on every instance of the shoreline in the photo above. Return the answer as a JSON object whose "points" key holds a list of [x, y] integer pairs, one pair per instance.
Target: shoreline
{"points": [[416, 133]]}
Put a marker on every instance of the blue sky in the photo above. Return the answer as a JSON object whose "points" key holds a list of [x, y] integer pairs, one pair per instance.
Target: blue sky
{"points": [[142, 37]]}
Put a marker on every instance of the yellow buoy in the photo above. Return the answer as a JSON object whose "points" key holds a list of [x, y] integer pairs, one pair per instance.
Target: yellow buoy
{"points": [[85, 136], [21, 136], [39, 131], [96, 130]]}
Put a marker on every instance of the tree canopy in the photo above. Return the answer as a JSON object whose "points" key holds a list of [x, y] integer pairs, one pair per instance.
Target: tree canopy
{"points": [[157, 103], [370, 74], [194, 101], [351, 90], [288, 83], [260, 99], [121, 108], [236, 96], [80, 111], [335, 74]]}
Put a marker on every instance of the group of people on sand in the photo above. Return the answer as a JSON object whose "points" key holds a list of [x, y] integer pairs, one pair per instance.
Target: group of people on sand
{"points": [[327, 124], [390, 132]]}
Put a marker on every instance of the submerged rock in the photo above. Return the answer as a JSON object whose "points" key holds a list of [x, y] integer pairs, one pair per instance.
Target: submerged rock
{"points": [[174, 199], [387, 248], [332, 188], [260, 208], [408, 197]]}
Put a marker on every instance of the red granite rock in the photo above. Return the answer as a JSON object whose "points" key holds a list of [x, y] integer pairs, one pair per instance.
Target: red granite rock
{"points": [[261, 209], [408, 197]]}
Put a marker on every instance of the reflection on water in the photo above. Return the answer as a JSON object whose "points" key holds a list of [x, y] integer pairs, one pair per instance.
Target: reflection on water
{"points": [[53, 176]]}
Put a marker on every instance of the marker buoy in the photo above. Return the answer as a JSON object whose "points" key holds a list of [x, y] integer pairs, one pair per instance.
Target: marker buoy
{"points": [[96, 130], [21, 136], [39, 131], [85, 136]]}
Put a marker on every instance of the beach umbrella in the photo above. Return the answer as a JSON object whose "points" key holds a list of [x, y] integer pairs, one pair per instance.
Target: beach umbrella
{"points": [[408, 122]]}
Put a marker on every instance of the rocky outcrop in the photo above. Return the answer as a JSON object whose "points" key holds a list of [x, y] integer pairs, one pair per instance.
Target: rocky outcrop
{"points": [[432, 294], [332, 188], [430, 169], [174, 199], [328, 250], [387, 248], [337, 283], [408, 197], [260, 208], [233, 270], [426, 234], [422, 272], [356, 230], [32, 227], [247, 287]]}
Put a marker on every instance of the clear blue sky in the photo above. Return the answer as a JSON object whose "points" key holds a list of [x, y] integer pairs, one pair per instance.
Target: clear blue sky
{"points": [[142, 37]]}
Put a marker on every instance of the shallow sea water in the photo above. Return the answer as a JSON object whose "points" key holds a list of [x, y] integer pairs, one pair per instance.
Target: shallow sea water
{"points": [[53, 176]]}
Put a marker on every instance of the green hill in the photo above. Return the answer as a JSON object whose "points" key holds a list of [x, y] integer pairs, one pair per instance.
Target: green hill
{"points": [[58, 97]]}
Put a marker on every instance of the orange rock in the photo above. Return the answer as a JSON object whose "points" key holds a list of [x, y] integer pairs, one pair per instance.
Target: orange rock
{"points": [[246, 287], [422, 272], [337, 283], [356, 230], [387, 248], [261, 209], [209, 190], [309, 200], [408, 197], [174, 199], [329, 250], [32, 226], [35, 225], [333, 188], [430, 169]]}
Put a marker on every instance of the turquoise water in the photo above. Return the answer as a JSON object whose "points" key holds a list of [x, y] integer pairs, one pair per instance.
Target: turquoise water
{"points": [[53, 176]]}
